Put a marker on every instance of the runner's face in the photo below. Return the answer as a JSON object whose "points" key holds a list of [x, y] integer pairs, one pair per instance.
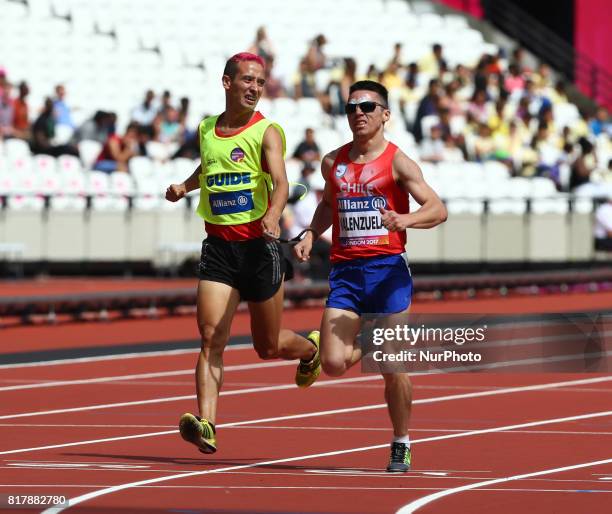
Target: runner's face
{"points": [[364, 124], [247, 86]]}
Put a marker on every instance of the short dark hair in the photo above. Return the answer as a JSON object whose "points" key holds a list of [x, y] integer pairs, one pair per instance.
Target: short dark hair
{"points": [[231, 66], [370, 85]]}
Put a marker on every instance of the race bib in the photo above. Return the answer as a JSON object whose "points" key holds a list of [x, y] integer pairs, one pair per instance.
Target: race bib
{"points": [[360, 221]]}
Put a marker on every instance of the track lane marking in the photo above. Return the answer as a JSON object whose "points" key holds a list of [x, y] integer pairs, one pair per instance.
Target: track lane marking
{"points": [[158, 374], [495, 392], [417, 504], [95, 494]]}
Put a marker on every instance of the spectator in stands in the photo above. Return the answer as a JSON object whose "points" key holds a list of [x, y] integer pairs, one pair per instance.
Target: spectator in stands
{"points": [[514, 80], [262, 45], [452, 152], [558, 94], [600, 124], [315, 56], [479, 109], [444, 124], [170, 130], [494, 66], [584, 165], [43, 132], [96, 128], [338, 91], [307, 150], [118, 151], [432, 147], [484, 145], [391, 77], [4, 84], [183, 111], [274, 87], [450, 100], [166, 103], [412, 73], [481, 76], [21, 120], [397, 55], [542, 77], [603, 226], [434, 62], [518, 58], [6, 113], [145, 113], [63, 113], [372, 73], [427, 107], [304, 82]]}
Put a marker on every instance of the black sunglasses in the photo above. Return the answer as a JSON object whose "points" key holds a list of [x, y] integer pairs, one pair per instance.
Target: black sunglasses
{"points": [[365, 107]]}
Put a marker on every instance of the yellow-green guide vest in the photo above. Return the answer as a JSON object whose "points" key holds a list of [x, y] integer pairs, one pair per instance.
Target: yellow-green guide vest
{"points": [[234, 189]]}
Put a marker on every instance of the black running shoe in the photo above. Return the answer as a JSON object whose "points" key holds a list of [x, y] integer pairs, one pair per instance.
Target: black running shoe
{"points": [[400, 458]]}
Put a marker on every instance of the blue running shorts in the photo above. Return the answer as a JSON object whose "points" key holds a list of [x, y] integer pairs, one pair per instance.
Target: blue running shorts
{"points": [[380, 285]]}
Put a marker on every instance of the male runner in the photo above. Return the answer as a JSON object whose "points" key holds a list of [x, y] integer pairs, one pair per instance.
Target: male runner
{"points": [[367, 182], [243, 191]]}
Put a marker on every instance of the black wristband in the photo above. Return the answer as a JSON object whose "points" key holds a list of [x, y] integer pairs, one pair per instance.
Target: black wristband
{"points": [[314, 232]]}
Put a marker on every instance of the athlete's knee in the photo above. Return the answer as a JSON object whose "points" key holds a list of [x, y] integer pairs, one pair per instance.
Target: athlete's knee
{"points": [[213, 338], [333, 367], [267, 352]]}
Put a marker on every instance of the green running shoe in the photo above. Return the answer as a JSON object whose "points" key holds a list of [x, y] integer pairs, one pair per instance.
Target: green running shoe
{"points": [[400, 458], [198, 431], [308, 372]]}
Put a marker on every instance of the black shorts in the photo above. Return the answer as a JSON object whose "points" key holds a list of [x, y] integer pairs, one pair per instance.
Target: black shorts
{"points": [[255, 267]]}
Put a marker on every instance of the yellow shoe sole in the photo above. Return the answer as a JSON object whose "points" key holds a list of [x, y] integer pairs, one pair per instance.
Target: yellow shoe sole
{"points": [[198, 432]]}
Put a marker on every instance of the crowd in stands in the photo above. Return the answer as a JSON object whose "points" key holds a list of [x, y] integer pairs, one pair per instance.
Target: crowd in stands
{"points": [[501, 109]]}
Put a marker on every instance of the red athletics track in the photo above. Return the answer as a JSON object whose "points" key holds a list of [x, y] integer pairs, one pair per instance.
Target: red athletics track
{"points": [[467, 430]]}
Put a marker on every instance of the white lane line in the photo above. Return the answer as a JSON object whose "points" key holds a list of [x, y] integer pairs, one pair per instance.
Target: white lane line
{"points": [[316, 384], [232, 392], [417, 504], [129, 485], [116, 356], [341, 488], [159, 374], [509, 390]]}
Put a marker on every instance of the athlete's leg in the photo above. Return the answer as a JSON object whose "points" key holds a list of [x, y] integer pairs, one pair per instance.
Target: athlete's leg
{"points": [[217, 304], [339, 351], [398, 395], [269, 340]]}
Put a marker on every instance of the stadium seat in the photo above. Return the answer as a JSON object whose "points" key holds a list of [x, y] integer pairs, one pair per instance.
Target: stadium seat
{"points": [[89, 151], [16, 148], [98, 183], [121, 184], [44, 164]]}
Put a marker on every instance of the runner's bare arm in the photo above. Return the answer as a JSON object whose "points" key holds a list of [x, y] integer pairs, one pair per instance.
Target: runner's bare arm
{"points": [[273, 152], [410, 178], [322, 218], [177, 191]]}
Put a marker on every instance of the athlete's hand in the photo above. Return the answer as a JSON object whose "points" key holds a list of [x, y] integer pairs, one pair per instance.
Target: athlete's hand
{"points": [[175, 192], [270, 226], [393, 221], [302, 249]]}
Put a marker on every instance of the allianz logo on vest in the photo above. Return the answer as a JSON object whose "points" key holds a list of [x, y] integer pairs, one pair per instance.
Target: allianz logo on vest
{"points": [[231, 202], [228, 179]]}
